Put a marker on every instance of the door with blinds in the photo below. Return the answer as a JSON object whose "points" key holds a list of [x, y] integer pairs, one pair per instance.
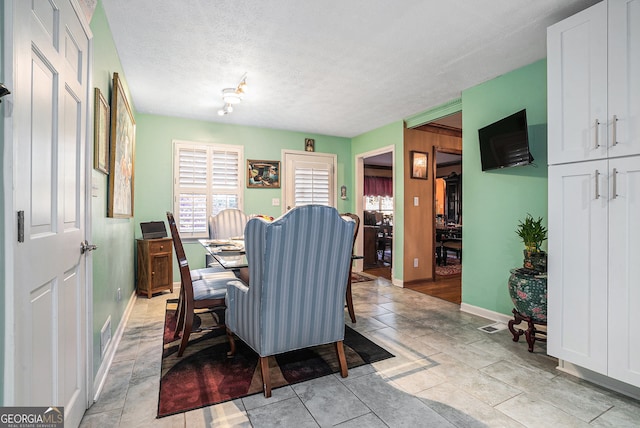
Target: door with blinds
{"points": [[310, 179]]}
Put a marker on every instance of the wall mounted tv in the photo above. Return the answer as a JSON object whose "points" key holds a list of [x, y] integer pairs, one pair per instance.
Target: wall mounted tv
{"points": [[505, 143]]}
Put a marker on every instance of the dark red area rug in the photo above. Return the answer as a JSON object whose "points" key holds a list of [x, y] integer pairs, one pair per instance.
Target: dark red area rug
{"points": [[204, 375]]}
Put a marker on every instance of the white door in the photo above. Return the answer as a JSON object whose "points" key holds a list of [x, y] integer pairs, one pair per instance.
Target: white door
{"points": [[309, 179], [624, 84], [49, 125], [577, 271], [577, 86], [624, 269]]}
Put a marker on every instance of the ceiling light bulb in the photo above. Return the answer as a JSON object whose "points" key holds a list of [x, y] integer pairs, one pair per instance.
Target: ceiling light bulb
{"points": [[228, 108], [221, 112], [231, 96]]}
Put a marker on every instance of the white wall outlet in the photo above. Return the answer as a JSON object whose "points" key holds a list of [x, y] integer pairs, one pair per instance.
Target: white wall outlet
{"points": [[415, 262], [118, 294], [275, 202], [416, 201]]}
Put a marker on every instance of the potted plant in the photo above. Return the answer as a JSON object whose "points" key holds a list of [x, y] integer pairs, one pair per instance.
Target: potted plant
{"points": [[533, 234]]}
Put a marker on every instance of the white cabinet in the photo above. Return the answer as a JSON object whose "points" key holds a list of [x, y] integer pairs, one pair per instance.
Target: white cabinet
{"points": [[593, 64], [594, 189], [577, 265]]}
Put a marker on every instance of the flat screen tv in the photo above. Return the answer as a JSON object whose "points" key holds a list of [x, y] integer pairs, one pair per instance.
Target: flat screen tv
{"points": [[505, 143]]}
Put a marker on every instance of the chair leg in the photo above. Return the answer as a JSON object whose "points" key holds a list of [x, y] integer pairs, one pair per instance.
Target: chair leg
{"points": [[232, 344], [180, 315], [352, 313], [186, 330], [342, 360], [266, 379]]}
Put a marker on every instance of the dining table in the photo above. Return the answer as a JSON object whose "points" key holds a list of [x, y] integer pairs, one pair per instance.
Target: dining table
{"points": [[230, 253]]}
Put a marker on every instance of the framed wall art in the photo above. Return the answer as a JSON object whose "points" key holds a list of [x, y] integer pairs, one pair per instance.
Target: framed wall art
{"points": [[419, 165], [263, 174], [309, 145], [123, 142], [101, 133]]}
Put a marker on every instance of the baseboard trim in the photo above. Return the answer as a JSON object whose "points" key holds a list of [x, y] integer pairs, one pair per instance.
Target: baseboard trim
{"points": [[101, 376], [599, 379], [485, 313]]}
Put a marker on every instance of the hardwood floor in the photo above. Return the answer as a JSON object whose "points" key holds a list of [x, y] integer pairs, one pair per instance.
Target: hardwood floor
{"points": [[448, 288], [384, 272]]}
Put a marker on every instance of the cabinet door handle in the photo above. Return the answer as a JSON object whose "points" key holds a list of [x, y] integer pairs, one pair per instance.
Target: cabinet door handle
{"points": [[597, 184], [615, 181], [597, 124], [614, 125]]}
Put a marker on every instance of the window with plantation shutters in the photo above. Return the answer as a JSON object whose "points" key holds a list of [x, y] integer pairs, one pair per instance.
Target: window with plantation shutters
{"points": [[310, 179], [207, 179]]}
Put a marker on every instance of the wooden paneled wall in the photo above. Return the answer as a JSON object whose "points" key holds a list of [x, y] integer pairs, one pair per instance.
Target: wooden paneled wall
{"points": [[419, 221]]}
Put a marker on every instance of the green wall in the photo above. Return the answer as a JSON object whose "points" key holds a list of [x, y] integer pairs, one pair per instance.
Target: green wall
{"points": [[389, 135], [113, 262], [494, 201], [154, 165]]}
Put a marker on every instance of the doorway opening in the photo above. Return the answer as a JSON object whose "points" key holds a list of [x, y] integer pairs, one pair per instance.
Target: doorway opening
{"points": [[447, 212], [376, 210]]}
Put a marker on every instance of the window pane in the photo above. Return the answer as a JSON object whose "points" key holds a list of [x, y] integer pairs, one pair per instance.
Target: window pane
{"points": [[372, 203], [192, 216], [386, 203], [221, 202]]}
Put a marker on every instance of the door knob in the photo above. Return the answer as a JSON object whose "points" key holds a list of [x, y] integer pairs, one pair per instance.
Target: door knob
{"points": [[85, 247]]}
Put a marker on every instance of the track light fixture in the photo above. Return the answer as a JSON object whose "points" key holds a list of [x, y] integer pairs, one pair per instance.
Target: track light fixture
{"points": [[232, 96]]}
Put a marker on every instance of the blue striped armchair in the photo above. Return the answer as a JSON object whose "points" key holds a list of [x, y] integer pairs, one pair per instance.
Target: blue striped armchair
{"points": [[298, 269]]}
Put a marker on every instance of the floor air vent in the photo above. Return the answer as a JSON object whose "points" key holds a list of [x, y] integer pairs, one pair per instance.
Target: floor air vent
{"points": [[493, 328]]}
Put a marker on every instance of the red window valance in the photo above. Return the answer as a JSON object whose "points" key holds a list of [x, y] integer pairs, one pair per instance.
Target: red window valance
{"points": [[378, 186]]}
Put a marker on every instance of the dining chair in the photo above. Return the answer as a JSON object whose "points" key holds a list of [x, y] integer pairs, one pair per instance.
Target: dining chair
{"points": [[298, 268], [349, 297], [228, 223], [207, 292]]}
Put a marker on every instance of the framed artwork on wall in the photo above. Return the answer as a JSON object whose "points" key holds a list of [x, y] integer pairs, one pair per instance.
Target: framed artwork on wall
{"points": [[309, 145], [263, 174], [123, 141], [101, 133], [419, 165]]}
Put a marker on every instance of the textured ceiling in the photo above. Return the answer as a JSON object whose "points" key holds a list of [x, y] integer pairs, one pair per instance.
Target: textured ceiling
{"points": [[335, 67]]}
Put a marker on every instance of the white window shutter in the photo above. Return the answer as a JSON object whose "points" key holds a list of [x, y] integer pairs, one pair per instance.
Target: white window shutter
{"points": [[206, 180], [312, 186]]}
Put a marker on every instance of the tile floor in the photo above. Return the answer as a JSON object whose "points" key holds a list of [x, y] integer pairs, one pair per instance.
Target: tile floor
{"points": [[446, 373]]}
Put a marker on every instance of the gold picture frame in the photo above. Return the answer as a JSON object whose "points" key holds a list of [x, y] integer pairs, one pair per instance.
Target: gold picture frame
{"points": [[419, 165], [100, 133], [263, 174], [123, 143]]}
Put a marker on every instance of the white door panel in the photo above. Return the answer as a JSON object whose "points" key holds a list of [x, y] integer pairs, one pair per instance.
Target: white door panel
{"points": [[50, 107], [624, 84], [624, 269], [577, 86], [577, 277]]}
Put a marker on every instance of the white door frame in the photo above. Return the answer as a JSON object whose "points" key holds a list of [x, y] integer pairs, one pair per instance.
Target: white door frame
{"points": [[359, 178]]}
